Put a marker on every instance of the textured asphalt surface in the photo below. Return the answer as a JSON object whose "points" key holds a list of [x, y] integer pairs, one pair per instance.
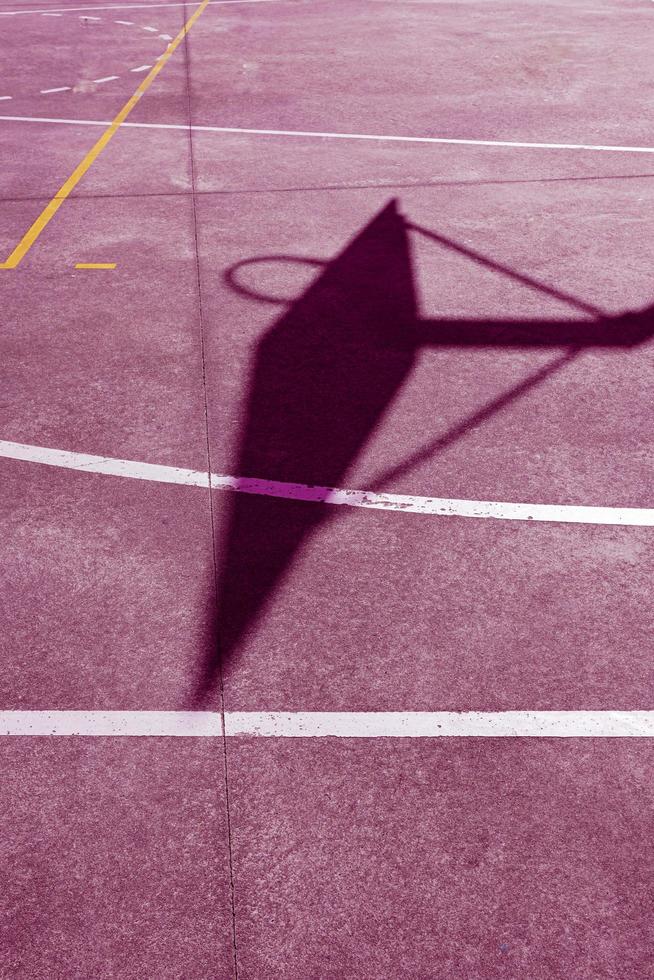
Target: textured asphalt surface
{"points": [[292, 308]]}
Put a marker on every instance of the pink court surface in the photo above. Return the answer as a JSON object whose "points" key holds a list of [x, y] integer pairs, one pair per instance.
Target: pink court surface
{"points": [[327, 505]]}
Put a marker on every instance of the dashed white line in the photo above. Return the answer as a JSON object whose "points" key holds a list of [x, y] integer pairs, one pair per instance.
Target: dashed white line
{"points": [[97, 81], [333, 496], [331, 724]]}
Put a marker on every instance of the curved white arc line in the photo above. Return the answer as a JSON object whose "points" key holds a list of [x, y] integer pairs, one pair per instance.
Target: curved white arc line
{"points": [[409, 504], [108, 466]]}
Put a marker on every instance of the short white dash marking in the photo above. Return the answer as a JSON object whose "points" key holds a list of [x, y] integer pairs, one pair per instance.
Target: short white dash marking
{"points": [[5, 98], [141, 68], [87, 17], [152, 30], [127, 23], [109, 78], [51, 15], [165, 37], [48, 91]]}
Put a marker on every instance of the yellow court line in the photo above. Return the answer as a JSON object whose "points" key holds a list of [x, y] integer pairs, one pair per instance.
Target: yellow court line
{"points": [[64, 191], [95, 265]]}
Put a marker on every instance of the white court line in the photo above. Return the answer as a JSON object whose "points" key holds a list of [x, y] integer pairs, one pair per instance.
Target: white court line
{"points": [[141, 68], [130, 6], [437, 140], [152, 723], [404, 503], [333, 724], [439, 724], [48, 91], [100, 464], [109, 78], [5, 98]]}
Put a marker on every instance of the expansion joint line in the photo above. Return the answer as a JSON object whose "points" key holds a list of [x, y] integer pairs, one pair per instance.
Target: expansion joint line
{"points": [[48, 213], [221, 685]]}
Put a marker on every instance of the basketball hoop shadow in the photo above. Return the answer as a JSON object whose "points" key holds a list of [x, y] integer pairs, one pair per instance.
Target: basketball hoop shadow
{"points": [[323, 376]]}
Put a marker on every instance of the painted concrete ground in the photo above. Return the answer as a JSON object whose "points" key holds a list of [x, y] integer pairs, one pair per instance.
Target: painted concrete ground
{"points": [[347, 429]]}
